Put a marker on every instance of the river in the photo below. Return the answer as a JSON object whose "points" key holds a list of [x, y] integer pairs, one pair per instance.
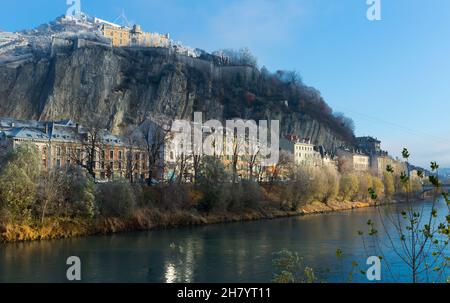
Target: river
{"points": [[235, 252]]}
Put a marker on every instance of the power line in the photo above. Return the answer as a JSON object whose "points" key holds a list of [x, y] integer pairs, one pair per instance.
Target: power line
{"points": [[417, 133]]}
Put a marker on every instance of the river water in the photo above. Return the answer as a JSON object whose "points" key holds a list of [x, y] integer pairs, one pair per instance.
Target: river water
{"points": [[235, 252]]}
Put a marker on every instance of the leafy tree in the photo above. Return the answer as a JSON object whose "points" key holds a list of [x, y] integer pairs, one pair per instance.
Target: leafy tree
{"points": [[349, 186], [332, 183], [365, 182], [389, 184], [378, 186], [18, 179]]}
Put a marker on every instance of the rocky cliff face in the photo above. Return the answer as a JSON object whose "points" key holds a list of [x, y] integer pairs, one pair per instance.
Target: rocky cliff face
{"points": [[122, 87]]}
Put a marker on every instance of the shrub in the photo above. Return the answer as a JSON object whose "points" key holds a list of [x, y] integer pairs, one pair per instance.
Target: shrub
{"points": [[301, 187], [212, 172], [252, 194], [332, 184], [244, 195], [115, 199], [81, 193], [210, 199], [349, 186], [17, 192], [174, 195], [416, 186], [378, 186], [365, 182], [18, 179], [389, 184], [151, 196]]}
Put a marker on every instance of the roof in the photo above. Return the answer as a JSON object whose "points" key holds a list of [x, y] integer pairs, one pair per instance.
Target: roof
{"points": [[63, 131], [109, 138], [27, 133]]}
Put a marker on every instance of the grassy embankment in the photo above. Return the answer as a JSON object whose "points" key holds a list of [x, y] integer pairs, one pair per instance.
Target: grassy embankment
{"points": [[147, 219]]}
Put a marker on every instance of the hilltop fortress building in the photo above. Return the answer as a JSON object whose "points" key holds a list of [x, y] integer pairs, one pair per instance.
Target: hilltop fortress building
{"points": [[127, 35], [124, 36]]}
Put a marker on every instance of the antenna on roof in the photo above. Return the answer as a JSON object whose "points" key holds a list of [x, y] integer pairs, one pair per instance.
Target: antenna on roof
{"points": [[123, 20]]}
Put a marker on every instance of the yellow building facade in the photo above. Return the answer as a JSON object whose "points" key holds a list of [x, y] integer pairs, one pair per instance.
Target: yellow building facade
{"points": [[125, 36]]}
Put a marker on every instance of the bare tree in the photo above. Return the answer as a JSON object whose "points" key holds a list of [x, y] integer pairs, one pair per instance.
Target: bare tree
{"points": [[52, 187], [275, 172], [154, 137], [252, 159], [132, 151], [197, 160], [91, 140], [238, 151], [183, 167]]}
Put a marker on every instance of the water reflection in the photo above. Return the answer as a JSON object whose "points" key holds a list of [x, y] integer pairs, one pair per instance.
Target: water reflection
{"points": [[240, 252], [171, 275]]}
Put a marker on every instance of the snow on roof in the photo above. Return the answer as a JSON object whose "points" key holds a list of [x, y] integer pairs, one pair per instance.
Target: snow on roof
{"points": [[63, 130], [27, 133]]}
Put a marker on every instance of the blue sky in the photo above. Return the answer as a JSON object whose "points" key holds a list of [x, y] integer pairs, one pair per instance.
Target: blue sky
{"points": [[391, 76]]}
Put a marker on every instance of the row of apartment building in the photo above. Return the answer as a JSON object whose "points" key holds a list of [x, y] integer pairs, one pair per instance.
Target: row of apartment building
{"points": [[64, 143], [367, 157]]}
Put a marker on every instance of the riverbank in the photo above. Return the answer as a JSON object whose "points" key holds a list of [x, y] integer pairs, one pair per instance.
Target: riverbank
{"points": [[148, 219]]}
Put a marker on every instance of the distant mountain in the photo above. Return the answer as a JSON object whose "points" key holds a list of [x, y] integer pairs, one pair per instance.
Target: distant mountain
{"points": [[444, 172]]}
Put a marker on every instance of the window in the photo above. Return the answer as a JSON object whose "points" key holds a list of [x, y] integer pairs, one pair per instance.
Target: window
{"points": [[120, 155], [103, 155], [111, 165], [120, 165], [111, 154], [58, 163], [58, 151]]}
